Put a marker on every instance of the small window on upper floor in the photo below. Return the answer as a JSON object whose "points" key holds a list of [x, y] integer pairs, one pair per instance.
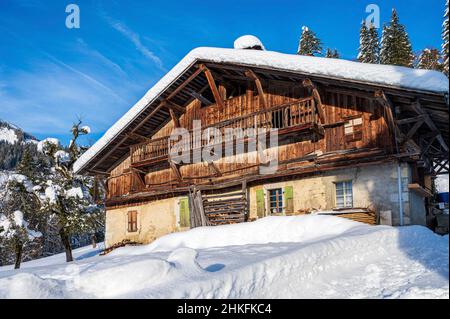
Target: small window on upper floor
{"points": [[353, 130]]}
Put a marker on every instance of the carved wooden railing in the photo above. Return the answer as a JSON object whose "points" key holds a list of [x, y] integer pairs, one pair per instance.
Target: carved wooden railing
{"points": [[283, 117]]}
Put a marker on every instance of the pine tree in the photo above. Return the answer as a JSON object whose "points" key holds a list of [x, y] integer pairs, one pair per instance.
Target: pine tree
{"points": [[332, 54], [445, 35], [309, 43], [429, 59], [369, 48], [396, 48], [364, 42], [25, 166]]}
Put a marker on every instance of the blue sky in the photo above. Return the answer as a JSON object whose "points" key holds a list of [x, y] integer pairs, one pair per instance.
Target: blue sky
{"points": [[50, 75]]}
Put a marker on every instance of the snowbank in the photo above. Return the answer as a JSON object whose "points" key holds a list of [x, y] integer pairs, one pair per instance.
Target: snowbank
{"points": [[263, 231], [276, 257], [397, 76]]}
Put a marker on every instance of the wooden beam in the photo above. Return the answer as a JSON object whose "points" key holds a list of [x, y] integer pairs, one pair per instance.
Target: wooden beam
{"points": [[413, 130], [320, 110], [262, 97], [418, 108], [175, 107], [200, 97], [139, 136], [388, 107], [186, 82], [212, 85], [126, 136], [409, 120], [215, 169], [176, 170], [175, 120]]}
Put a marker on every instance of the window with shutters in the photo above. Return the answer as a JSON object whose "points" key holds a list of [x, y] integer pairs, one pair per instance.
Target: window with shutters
{"points": [[132, 221], [344, 194], [353, 130], [276, 200]]}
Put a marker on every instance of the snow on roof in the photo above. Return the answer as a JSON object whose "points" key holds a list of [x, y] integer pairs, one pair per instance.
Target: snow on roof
{"points": [[248, 42], [388, 75]]}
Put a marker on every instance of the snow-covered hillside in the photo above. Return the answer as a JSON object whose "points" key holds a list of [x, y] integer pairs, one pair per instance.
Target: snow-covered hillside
{"points": [[275, 257], [11, 134]]}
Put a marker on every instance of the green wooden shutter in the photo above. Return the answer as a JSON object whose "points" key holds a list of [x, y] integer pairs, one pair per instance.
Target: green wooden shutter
{"points": [[260, 205], [289, 199], [185, 219]]}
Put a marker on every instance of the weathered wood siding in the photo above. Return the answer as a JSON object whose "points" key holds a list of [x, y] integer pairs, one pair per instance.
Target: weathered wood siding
{"points": [[339, 109]]}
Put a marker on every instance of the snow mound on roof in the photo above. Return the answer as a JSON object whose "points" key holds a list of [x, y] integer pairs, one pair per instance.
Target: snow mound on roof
{"points": [[397, 76], [248, 42]]}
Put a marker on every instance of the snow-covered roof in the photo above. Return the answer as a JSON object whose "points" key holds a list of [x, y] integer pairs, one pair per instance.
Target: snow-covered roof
{"points": [[383, 75]]}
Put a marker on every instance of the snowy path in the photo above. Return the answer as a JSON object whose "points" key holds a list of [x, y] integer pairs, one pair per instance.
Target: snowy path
{"points": [[276, 257]]}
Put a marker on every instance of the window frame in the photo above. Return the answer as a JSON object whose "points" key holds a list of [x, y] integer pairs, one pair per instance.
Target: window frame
{"points": [[344, 193], [355, 124], [132, 221], [279, 201]]}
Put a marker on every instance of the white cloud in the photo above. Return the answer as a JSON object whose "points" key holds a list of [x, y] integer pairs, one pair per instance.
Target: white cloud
{"points": [[135, 39]]}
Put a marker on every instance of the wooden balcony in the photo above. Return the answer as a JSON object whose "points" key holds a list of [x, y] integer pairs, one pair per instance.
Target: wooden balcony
{"points": [[291, 119]]}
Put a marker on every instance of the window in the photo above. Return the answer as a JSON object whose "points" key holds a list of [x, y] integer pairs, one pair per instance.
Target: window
{"points": [[132, 221], [344, 194], [353, 130], [276, 201]]}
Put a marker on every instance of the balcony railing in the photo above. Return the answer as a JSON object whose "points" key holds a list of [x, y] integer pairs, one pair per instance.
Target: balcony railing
{"points": [[300, 114]]}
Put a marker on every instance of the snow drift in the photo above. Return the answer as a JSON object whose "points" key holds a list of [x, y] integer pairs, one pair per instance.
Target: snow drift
{"points": [[275, 257]]}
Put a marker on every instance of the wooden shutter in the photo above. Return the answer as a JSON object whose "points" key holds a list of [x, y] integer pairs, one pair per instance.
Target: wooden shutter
{"points": [[185, 219], [289, 199], [132, 221], [260, 203]]}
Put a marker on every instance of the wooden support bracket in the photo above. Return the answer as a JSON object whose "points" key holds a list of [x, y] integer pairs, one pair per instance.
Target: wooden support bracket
{"points": [[315, 92], [212, 85], [262, 97]]}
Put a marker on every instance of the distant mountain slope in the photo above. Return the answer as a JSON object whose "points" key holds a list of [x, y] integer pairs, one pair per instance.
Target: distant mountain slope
{"points": [[13, 143]]}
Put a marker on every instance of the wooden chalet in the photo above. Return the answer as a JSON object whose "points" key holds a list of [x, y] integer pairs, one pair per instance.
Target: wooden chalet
{"points": [[356, 140]]}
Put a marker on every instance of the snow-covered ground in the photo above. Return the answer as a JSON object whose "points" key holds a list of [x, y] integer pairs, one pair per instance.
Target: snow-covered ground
{"points": [[275, 257]]}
